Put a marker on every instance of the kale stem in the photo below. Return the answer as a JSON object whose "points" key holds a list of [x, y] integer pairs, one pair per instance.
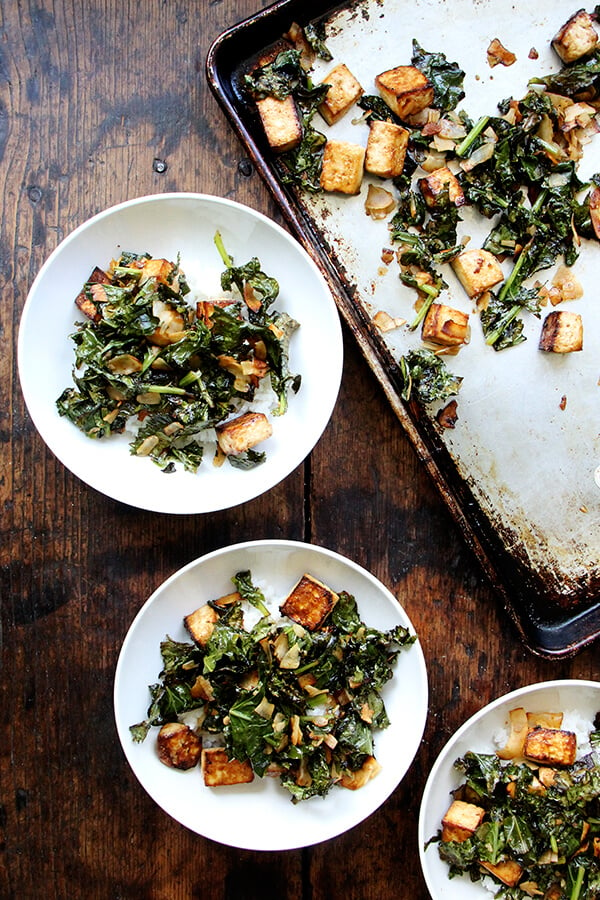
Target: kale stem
{"points": [[508, 284], [162, 389], [194, 377], [430, 295], [474, 133], [576, 892], [540, 201], [552, 150], [504, 323], [227, 260]]}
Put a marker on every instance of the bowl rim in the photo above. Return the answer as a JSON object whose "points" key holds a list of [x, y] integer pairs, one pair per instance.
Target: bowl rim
{"points": [[418, 662], [260, 485], [442, 758]]}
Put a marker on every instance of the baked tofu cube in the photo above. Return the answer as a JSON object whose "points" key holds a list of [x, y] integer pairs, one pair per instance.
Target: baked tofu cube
{"points": [[440, 183], [87, 304], [161, 270], [178, 746], [218, 770], [507, 871], [386, 149], [309, 603], [344, 91], [200, 624], [352, 781], [562, 332], [445, 325], [244, 432], [461, 821], [576, 38], [405, 90], [281, 122], [478, 271], [551, 746], [343, 165]]}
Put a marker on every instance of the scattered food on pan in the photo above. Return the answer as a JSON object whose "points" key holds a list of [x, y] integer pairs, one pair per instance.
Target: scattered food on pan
{"points": [[426, 160]]}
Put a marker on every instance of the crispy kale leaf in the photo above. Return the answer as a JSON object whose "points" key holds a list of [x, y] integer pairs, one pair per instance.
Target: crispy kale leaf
{"points": [[446, 77], [427, 376]]}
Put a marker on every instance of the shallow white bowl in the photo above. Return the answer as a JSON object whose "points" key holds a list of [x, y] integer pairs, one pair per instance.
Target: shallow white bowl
{"points": [[261, 816], [477, 734], [166, 225]]}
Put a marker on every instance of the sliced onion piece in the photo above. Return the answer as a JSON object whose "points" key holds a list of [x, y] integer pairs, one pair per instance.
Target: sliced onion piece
{"points": [[379, 203]]}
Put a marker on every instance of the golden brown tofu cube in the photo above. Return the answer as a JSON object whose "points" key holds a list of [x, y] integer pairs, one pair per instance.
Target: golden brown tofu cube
{"points": [[507, 871], [201, 623], [405, 90], [344, 91], [551, 746], [243, 432], [178, 746], [477, 270], [281, 122], [218, 770], [576, 38], [309, 603], [562, 332], [445, 325], [386, 149], [87, 304], [461, 821], [355, 780], [343, 164], [160, 269], [440, 183]]}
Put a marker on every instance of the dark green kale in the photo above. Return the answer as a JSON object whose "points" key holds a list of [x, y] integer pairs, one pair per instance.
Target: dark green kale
{"points": [[315, 36], [548, 831], [574, 79], [306, 703], [175, 387], [376, 109], [447, 78], [278, 78], [427, 376], [301, 166]]}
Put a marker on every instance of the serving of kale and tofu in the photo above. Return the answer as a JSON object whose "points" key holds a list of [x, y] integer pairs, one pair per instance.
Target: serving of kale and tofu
{"points": [[179, 374], [525, 821], [295, 694], [426, 161]]}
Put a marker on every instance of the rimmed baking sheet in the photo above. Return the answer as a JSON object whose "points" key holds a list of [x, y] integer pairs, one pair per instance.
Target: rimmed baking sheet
{"points": [[520, 470]]}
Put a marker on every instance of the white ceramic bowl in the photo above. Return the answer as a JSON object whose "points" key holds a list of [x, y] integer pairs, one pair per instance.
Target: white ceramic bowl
{"points": [[261, 816], [477, 733], [166, 225]]}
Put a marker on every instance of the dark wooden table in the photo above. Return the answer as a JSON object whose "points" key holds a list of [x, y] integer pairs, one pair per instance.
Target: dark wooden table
{"points": [[101, 102]]}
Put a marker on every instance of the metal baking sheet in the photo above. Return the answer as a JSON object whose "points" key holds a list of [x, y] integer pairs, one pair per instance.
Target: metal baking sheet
{"points": [[521, 470]]}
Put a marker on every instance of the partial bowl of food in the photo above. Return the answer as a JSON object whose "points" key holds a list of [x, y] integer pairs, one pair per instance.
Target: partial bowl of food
{"points": [[289, 695], [180, 353], [508, 803]]}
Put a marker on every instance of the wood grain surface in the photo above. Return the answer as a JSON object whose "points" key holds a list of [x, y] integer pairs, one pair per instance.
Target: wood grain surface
{"points": [[101, 102]]}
